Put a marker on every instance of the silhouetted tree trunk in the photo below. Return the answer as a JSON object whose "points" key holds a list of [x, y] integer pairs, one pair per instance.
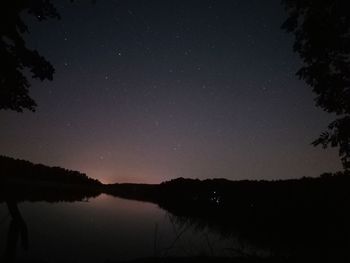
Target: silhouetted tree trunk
{"points": [[17, 230]]}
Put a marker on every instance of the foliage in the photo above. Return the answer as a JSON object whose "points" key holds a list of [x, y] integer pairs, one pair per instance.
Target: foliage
{"points": [[16, 56], [322, 40], [338, 136]]}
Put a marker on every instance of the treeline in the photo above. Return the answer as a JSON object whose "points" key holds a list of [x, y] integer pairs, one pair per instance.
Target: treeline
{"points": [[244, 194], [24, 181], [304, 219], [247, 193], [21, 170]]}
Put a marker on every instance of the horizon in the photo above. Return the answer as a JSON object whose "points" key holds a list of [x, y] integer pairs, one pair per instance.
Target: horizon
{"points": [[158, 183]]}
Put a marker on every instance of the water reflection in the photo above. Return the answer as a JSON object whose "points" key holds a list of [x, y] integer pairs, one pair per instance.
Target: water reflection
{"points": [[105, 228], [86, 228]]}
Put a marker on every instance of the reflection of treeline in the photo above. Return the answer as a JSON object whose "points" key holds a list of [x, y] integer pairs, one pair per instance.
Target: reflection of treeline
{"points": [[305, 218], [23, 180], [141, 192]]}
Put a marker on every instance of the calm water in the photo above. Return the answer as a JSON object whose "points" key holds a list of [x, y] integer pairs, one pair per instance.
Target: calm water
{"points": [[106, 228]]}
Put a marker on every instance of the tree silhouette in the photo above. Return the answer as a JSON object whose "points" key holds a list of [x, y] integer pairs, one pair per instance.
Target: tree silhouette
{"points": [[322, 40], [16, 57]]}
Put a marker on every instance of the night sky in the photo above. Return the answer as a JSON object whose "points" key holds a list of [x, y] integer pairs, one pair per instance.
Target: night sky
{"points": [[147, 91]]}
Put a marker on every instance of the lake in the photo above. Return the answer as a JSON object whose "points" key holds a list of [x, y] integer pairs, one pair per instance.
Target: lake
{"points": [[106, 228]]}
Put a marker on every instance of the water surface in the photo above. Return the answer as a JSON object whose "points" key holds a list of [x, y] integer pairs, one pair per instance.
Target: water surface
{"points": [[106, 228]]}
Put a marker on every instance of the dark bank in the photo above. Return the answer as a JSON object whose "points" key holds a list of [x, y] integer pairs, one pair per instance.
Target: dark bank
{"points": [[299, 220]]}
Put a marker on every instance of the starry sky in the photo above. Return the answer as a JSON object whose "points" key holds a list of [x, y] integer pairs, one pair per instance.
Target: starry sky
{"points": [[147, 91]]}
